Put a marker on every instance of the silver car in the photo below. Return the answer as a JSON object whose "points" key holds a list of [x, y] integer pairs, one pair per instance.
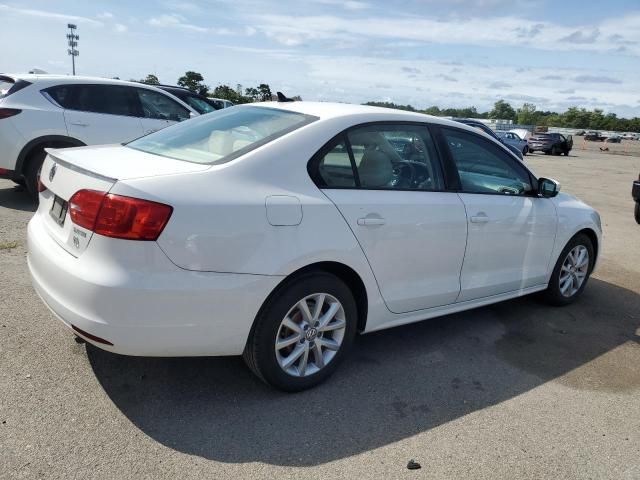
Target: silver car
{"points": [[514, 140]]}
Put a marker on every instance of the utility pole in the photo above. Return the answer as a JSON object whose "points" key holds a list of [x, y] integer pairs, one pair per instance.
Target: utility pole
{"points": [[73, 43]]}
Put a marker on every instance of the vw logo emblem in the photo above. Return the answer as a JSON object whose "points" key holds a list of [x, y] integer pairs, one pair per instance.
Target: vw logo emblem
{"points": [[311, 334], [52, 172]]}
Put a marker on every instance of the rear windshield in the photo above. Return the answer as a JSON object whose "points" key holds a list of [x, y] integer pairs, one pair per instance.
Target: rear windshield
{"points": [[5, 86], [222, 135]]}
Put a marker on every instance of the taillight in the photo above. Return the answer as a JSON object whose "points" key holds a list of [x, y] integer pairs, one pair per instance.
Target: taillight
{"points": [[118, 216], [8, 112], [84, 207], [41, 186]]}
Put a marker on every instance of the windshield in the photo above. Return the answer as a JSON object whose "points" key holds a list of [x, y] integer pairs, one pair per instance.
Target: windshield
{"points": [[221, 135], [198, 104]]}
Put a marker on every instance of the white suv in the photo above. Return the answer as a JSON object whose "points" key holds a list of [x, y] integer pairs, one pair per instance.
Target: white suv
{"points": [[40, 111]]}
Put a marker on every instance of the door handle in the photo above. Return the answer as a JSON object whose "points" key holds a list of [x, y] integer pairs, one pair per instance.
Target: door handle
{"points": [[480, 218], [370, 221], [79, 124]]}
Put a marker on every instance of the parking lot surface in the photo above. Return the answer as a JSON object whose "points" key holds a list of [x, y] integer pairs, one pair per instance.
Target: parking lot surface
{"points": [[515, 390]]}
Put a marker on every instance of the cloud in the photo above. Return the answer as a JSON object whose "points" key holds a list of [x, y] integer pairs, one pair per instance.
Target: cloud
{"points": [[353, 5], [105, 15], [174, 21], [446, 77], [47, 14], [120, 28], [551, 77], [568, 91], [580, 36], [411, 70], [529, 32], [595, 79], [499, 85]]}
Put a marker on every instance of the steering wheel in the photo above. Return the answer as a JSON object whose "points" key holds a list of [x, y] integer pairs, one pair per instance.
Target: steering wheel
{"points": [[410, 173]]}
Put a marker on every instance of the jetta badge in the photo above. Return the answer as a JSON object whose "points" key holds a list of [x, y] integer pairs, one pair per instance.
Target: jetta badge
{"points": [[52, 172]]}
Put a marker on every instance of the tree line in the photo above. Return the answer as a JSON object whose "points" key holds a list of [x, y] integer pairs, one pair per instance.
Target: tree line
{"points": [[194, 81], [528, 114]]}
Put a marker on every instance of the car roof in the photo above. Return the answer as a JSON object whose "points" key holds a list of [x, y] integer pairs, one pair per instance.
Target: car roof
{"points": [[52, 78], [327, 110]]}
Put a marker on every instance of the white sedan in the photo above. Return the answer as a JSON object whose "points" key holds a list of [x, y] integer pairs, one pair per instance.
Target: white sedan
{"points": [[281, 230]]}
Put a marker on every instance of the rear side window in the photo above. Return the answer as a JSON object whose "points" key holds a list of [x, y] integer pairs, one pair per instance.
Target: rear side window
{"points": [[334, 168], [222, 135], [106, 99], [159, 106]]}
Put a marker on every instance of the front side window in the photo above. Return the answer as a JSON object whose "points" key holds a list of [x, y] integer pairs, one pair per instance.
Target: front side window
{"points": [[223, 135], [158, 106], [484, 167], [395, 157]]}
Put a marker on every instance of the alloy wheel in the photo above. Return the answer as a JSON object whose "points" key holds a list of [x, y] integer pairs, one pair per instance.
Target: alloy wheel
{"points": [[310, 335], [574, 271]]}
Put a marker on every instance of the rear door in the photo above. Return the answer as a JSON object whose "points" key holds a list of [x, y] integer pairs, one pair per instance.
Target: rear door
{"points": [[159, 110], [387, 182], [99, 114], [511, 231]]}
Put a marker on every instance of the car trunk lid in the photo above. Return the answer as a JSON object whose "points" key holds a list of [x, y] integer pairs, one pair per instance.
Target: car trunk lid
{"points": [[66, 171]]}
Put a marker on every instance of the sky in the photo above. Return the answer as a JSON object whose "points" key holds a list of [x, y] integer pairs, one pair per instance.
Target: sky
{"points": [[449, 53]]}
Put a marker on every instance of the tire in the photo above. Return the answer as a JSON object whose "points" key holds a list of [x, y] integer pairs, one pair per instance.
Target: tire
{"points": [[525, 150], [566, 153], [636, 212], [32, 171], [554, 293], [269, 364], [547, 152]]}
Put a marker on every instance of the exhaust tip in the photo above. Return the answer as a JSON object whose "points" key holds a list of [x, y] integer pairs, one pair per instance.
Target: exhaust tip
{"points": [[92, 337]]}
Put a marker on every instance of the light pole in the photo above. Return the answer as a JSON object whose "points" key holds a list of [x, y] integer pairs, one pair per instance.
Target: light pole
{"points": [[73, 43]]}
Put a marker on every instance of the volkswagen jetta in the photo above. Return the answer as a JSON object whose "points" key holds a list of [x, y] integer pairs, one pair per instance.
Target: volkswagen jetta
{"points": [[281, 230]]}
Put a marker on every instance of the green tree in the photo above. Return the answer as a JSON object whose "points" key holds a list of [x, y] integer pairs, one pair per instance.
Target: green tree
{"points": [[265, 92], [527, 114], [151, 79], [252, 93], [194, 81], [503, 110]]}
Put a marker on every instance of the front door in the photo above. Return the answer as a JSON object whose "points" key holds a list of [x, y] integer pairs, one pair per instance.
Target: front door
{"points": [[511, 231], [387, 182]]}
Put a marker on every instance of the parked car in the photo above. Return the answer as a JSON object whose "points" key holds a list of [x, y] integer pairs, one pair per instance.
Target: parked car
{"points": [[484, 128], [514, 140], [580, 133], [635, 193], [551, 143], [55, 111], [614, 139], [593, 136], [220, 103], [630, 136], [199, 103], [195, 240]]}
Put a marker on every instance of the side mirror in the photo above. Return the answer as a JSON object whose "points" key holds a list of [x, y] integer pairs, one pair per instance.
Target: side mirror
{"points": [[192, 115], [548, 188]]}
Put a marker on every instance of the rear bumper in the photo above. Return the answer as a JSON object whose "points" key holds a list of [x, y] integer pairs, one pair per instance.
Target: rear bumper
{"points": [[144, 304]]}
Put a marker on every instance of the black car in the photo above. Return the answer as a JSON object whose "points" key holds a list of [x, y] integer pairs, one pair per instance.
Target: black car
{"points": [[635, 193], [594, 137], [481, 126], [199, 103], [550, 143]]}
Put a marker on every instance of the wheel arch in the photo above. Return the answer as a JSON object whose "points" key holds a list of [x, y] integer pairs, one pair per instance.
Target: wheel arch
{"points": [[591, 234], [51, 141], [345, 273]]}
